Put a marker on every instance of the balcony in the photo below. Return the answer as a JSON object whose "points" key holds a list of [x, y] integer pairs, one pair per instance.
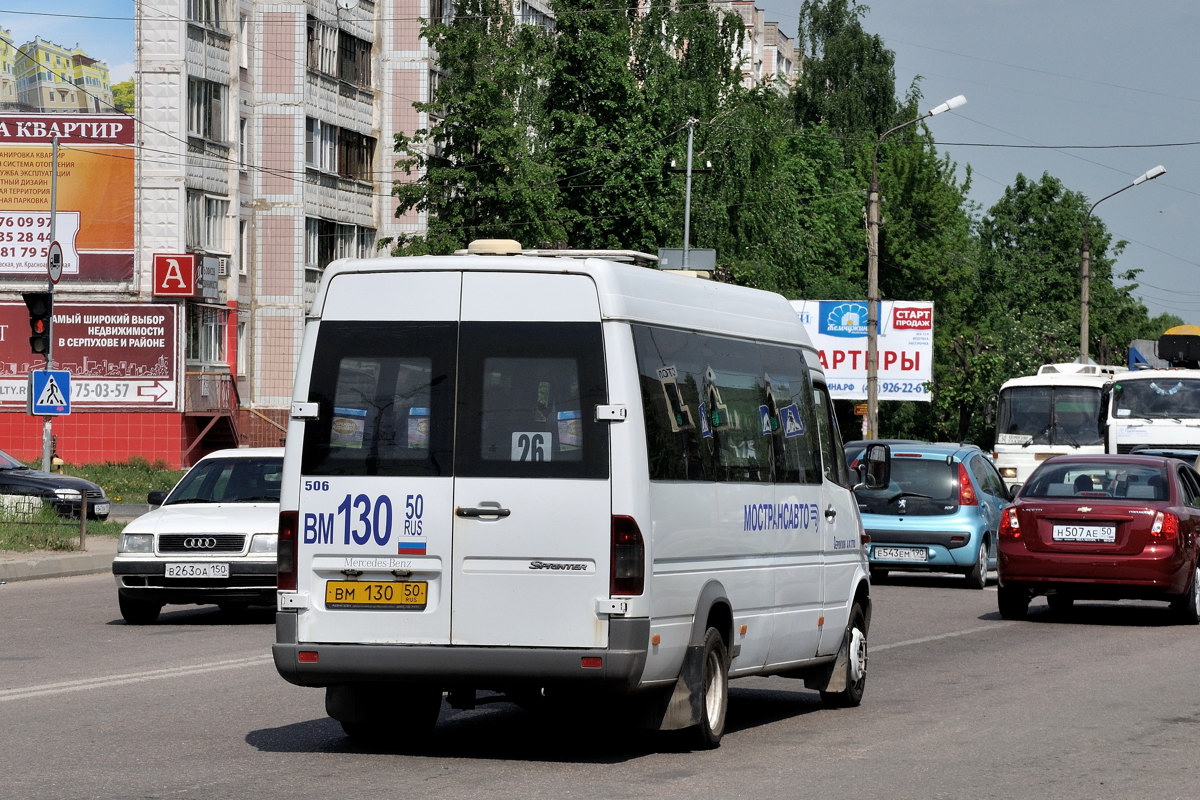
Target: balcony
{"points": [[210, 410]]}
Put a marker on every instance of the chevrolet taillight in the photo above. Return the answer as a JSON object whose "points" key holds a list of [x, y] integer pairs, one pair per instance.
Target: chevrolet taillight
{"points": [[285, 554], [1010, 526], [1165, 527]]}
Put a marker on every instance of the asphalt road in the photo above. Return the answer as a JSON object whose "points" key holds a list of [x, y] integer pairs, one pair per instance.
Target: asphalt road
{"points": [[959, 704]]}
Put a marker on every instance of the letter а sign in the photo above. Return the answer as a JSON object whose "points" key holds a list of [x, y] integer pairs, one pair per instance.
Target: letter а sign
{"points": [[174, 275]]}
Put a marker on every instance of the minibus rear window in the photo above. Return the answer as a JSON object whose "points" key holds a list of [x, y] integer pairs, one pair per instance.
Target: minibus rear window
{"points": [[527, 400], [385, 393], [520, 398]]}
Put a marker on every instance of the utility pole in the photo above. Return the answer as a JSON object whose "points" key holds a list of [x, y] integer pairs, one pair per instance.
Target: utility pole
{"points": [[47, 420]]}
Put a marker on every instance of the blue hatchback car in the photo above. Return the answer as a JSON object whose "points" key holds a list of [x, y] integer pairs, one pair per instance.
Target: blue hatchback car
{"points": [[940, 513]]}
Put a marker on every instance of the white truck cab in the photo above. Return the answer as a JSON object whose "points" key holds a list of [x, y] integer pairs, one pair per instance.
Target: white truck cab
{"points": [[557, 475]]}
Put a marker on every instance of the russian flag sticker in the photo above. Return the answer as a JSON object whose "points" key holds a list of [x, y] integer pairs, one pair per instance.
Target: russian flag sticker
{"points": [[411, 547]]}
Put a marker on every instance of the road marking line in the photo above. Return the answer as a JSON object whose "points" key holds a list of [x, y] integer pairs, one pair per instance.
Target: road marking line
{"points": [[875, 648], [129, 677]]}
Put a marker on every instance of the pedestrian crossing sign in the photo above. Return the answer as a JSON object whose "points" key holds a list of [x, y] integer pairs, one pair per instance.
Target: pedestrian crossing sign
{"points": [[793, 423], [49, 393]]}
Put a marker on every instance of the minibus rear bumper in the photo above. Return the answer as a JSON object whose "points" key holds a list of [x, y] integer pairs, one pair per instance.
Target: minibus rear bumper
{"points": [[619, 666]]}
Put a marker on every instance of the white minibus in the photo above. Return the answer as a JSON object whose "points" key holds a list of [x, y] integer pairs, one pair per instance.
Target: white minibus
{"points": [[547, 476]]}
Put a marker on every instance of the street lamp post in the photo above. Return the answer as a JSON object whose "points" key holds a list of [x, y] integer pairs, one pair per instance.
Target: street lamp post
{"points": [[1085, 260], [871, 423]]}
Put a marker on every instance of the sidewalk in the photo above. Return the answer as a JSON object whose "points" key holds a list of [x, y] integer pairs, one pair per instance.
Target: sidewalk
{"points": [[97, 557]]}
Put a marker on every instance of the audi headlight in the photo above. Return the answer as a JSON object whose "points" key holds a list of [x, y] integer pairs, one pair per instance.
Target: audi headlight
{"points": [[136, 543], [264, 543]]}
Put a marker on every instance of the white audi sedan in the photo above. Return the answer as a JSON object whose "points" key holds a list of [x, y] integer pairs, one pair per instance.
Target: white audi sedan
{"points": [[212, 538]]}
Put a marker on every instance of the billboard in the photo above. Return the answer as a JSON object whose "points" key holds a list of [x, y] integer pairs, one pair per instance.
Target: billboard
{"points": [[121, 356], [93, 195], [838, 329]]}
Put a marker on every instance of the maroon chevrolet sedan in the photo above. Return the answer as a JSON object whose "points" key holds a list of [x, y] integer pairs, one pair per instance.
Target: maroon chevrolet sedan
{"points": [[1103, 527]]}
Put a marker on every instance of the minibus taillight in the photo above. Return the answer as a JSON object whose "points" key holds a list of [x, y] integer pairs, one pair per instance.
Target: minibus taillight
{"points": [[628, 574], [285, 554]]}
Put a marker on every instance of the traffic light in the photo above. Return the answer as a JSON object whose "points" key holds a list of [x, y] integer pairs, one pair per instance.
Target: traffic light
{"points": [[41, 308]]}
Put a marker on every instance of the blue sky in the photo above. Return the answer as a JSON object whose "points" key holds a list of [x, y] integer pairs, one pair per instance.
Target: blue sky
{"points": [[102, 28], [1093, 92]]}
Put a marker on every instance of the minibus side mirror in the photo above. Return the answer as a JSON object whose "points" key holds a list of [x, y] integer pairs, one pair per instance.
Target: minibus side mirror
{"points": [[874, 469]]}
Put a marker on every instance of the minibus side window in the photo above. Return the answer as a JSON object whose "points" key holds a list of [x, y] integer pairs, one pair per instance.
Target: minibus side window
{"points": [[796, 442], [671, 366], [744, 453], [832, 455], [723, 409]]}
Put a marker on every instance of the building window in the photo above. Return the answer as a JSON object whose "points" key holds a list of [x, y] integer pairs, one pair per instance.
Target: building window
{"points": [[244, 42], [325, 241], [338, 151], [243, 247], [354, 59], [206, 222], [322, 47], [205, 12], [243, 153], [206, 109], [206, 334], [320, 145], [356, 153], [243, 342], [440, 10], [337, 53]]}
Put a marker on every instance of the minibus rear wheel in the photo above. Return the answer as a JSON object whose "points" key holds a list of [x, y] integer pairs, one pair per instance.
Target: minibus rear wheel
{"points": [[714, 692]]}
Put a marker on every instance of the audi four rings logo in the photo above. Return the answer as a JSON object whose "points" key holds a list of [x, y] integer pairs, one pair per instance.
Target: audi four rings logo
{"points": [[200, 542]]}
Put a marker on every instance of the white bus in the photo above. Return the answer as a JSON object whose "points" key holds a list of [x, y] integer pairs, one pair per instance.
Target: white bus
{"points": [[1154, 409], [1054, 412], [561, 477], [1157, 406]]}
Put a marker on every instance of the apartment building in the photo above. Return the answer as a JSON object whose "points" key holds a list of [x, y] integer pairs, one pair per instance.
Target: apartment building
{"points": [[767, 53], [8, 80], [56, 79]]}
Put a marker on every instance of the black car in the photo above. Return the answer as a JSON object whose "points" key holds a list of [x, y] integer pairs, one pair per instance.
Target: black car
{"points": [[20, 486]]}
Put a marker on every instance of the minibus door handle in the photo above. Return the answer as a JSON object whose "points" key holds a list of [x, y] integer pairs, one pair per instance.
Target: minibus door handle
{"points": [[830, 513], [482, 511]]}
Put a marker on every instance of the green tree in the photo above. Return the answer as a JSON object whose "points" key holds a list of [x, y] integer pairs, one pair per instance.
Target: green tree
{"points": [[780, 206], [124, 96], [848, 80], [481, 169], [622, 87], [1032, 238]]}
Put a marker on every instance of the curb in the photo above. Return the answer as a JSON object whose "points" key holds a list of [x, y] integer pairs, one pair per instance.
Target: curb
{"points": [[97, 558]]}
